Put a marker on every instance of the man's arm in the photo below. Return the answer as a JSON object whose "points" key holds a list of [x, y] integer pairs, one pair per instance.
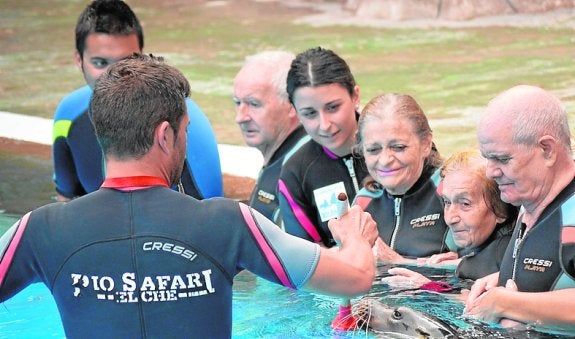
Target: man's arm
{"points": [[296, 216], [9, 243], [554, 308], [202, 155], [293, 262], [66, 177], [349, 270]]}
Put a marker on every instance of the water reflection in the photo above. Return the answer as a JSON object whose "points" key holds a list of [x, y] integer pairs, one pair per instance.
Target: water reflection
{"points": [[262, 309]]}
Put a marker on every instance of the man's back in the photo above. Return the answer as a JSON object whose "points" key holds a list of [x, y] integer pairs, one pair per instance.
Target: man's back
{"points": [[130, 269]]}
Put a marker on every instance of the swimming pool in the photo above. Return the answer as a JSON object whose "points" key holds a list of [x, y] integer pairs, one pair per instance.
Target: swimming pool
{"points": [[265, 310]]}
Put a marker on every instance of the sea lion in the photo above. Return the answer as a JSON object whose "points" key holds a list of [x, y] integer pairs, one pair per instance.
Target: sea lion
{"points": [[400, 322]]}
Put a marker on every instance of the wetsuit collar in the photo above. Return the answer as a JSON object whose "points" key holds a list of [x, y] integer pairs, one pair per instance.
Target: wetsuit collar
{"points": [[135, 181]]}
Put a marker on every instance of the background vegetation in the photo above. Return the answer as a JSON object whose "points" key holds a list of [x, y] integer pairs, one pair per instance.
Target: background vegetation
{"points": [[451, 72]]}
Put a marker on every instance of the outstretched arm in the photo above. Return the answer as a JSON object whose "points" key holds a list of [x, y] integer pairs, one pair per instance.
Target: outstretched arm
{"points": [[440, 259], [348, 271], [404, 277]]}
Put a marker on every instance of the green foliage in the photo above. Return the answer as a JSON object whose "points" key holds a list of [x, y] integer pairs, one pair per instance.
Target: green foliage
{"points": [[452, 72]]}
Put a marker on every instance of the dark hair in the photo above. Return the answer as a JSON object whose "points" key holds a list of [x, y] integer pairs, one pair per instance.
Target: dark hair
{"points": [[316, 67], [398, 106], [112, 17], [129, 101]]}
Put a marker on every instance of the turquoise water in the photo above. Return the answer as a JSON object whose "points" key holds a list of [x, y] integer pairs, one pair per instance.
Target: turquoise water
{"points": [[6, 221], [261, 309], [265, 310]]}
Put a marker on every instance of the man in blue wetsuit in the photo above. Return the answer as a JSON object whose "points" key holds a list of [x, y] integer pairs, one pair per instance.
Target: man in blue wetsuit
{"points": [[524, 135], [135, 258], [108, 31], [268, 122]]}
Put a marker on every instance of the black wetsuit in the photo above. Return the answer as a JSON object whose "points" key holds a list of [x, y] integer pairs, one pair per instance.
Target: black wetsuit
{"points": [[147, 262], [411, 224], [309, 184], [543, 259], [264, 196], [486, 259]]}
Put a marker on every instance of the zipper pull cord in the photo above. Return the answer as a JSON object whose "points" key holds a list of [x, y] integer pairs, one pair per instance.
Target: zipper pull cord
{"points": [[517, 245], [397, 209], [349, 164]]}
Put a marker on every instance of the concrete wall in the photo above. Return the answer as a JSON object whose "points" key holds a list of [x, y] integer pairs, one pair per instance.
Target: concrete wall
{"points": [[398, 10]]}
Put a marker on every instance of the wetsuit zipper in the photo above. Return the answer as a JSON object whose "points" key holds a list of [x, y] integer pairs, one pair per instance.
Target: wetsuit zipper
{"points": [[517, 248], [349, 164], [397, 208]]}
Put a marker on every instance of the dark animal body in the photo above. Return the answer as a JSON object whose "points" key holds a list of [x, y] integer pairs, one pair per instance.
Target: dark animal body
{"points": [[399, 322]]}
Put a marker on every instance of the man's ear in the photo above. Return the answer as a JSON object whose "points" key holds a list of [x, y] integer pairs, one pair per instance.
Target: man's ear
{"points": [[78, 59], [292, 113], [548, 145], [164, 136], [499, 220]]}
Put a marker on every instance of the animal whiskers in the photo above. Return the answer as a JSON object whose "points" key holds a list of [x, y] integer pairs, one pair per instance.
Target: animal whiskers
{"points": [[398, 321]]}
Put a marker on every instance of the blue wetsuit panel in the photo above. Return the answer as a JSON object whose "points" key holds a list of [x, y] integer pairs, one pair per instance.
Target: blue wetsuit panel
{"points": [[78, 161]]}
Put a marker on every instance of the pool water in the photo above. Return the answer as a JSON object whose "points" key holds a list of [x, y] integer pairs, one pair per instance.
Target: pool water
{"points": [[265, 310]]}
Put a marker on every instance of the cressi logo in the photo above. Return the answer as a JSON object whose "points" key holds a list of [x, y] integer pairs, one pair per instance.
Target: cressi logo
{"points": [[537, 265], [265, 197], [425, 221]]}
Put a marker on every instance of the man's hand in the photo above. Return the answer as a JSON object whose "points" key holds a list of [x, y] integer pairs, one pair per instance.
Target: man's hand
{"points": [[347, 270], [482, 298], [439, 258], [354, 223], [404, 278], [480, 286], [386, 254]]}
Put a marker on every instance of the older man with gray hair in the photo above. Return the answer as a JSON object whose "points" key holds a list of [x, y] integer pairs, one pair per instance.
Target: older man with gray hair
{"points": [[267, 121], [524, 134]]}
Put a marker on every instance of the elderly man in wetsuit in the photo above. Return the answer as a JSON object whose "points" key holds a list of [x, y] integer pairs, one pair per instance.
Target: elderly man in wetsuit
{"points": [[524, 135], [137, 259], [268, 122], [108, 31]]}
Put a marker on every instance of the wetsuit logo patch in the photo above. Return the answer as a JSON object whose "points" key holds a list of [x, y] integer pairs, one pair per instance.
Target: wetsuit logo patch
{"points": [[265, 197], [147, 289], [170, 248], [326, 200], [425, 221], [537, 265]]}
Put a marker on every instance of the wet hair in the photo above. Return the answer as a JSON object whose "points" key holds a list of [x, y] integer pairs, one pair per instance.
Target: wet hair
{"points": [[131, 99], [318, 66], [277, 63], [113, 17], [472, 161], [398, 106]]}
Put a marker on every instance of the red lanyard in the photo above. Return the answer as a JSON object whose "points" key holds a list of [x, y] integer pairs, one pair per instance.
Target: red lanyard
{"points": [[136, 181]]}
